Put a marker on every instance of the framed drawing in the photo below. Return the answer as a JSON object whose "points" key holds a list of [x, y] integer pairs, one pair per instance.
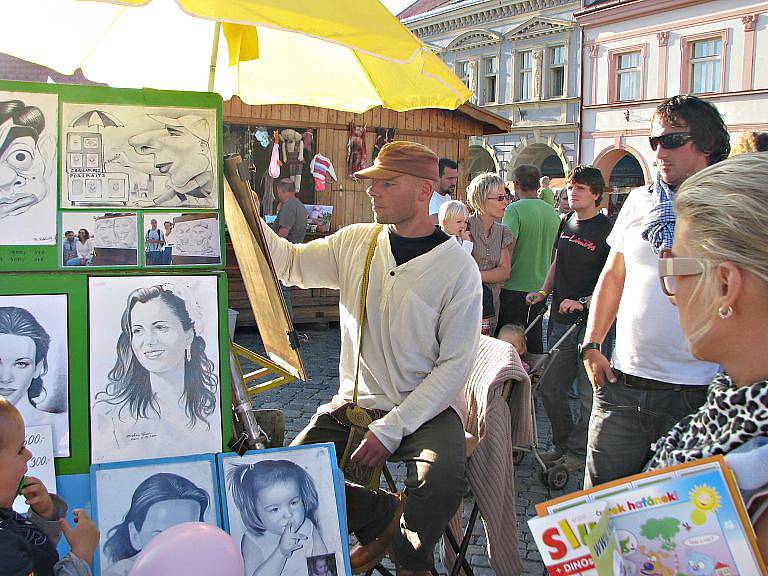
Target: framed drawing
{"points": [[28, 136], [139, 156], [155, 386], [182, 239], [296, 490], [34, 353], [135, 501], [95, 239], [319, 218]]}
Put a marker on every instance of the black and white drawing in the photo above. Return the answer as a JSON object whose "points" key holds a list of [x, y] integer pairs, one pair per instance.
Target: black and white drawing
{"points": [[198, 237], [154, 367], [283, 507], [138, 156], [137, 502], [28, 182], [182, 239], [34, 362], [99, 239]]}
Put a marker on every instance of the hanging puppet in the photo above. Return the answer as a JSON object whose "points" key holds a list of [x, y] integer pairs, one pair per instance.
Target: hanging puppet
{"points": [[383, 136], [293, 155], [320, 166], [356, 151]]}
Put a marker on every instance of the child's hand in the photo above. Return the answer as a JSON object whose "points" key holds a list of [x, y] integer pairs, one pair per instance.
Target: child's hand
{"points": [[83, 538], [290, 541], [36, 495], [466, 235]]}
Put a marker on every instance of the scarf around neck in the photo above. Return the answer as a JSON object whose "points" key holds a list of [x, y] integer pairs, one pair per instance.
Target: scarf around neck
{"points": [[729, 418], [659, 223]]}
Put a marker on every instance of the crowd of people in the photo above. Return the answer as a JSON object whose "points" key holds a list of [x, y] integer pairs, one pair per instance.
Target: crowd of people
{"points": [[682, 278]]}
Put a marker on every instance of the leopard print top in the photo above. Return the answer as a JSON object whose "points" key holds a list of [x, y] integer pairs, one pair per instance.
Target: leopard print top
{"points": [[730, 417]]}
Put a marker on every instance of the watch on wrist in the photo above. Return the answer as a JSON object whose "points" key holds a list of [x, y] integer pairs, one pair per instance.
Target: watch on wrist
{"points": [[588, 346], [584, 300]]}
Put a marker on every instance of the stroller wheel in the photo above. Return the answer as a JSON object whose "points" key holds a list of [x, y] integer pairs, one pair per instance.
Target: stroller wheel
{"points": [[557, 477], [517, 456]]}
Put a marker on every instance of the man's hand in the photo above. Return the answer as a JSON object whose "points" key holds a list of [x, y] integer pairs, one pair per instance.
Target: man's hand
{"points": [[371, 452], [83, 538], [36, 495], [598, 369], [534, 298], [567, 306]]}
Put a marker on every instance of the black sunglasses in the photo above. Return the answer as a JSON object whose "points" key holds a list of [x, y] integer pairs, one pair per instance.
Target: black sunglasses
{"points": [[670, 141]]}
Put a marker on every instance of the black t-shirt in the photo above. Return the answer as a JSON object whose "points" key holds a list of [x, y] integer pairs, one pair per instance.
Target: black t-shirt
{"points": [[581, 254], [405, 249]]}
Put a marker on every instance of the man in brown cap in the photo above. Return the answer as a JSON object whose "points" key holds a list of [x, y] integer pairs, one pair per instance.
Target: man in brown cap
{"points": [[419, 339]]}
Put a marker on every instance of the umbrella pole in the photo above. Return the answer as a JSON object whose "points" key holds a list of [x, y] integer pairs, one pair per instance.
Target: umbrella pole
{"points": [[214, 56]]}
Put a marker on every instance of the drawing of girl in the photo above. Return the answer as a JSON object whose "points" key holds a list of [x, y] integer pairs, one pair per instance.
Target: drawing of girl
{"points": [[278, 503], [24, 345], [159, 502], [162, 385]]}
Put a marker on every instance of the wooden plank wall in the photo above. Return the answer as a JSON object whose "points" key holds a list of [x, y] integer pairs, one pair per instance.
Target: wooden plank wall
{"points": [[444, 131]]}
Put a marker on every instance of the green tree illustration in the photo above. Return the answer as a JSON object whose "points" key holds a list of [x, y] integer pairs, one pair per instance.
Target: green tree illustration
{"points": [[664, 529]]}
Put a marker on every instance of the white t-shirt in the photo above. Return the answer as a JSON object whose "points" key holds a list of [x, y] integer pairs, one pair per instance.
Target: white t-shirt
{"points": [[436, 201], [649, 340]]}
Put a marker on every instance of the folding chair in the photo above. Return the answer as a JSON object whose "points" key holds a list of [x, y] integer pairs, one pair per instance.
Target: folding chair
{"points": [[497, 379]]}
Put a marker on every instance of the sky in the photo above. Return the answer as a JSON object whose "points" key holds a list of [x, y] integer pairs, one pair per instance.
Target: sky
{"points": [[396, 6]]}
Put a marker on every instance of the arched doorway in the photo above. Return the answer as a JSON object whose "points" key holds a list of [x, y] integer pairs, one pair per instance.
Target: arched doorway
{"points": [[547, 159], [480, 160], [552, 167], [622, 172]]}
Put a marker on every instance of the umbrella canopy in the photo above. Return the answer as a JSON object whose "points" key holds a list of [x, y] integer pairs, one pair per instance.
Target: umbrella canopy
{"points": [[96, 118], [344, 54]]}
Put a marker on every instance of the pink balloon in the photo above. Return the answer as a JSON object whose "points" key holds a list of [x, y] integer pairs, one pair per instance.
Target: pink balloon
{"points": [[190, 549]]}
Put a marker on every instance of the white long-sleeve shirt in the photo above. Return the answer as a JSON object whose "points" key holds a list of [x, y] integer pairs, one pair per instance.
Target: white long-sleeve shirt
{"points": [[422, 322]]}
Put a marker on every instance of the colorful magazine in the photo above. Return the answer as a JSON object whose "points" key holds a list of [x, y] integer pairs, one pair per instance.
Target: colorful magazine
{"points": [[678, 521]]}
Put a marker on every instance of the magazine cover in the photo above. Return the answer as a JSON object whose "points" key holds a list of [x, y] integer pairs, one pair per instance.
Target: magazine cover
{"points": [[687, 519]]}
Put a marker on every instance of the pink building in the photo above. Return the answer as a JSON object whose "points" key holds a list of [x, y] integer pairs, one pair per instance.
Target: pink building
{"points": [[638, 52]]}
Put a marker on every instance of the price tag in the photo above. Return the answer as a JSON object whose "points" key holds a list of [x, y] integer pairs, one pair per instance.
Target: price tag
{"points": [[39, 441]]}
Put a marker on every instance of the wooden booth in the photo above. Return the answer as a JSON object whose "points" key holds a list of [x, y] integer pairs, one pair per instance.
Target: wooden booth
{"points": [[252, 130]]}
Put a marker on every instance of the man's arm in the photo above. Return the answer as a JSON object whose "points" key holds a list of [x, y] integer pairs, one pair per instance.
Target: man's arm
{"points": [[283, 232], [549, 283], [602, 313]]}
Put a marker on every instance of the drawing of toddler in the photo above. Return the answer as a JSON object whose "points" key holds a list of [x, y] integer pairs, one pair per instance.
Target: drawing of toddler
{"points": [[278, 503]]}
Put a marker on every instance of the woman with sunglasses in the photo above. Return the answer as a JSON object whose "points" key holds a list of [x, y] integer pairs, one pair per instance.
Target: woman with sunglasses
{"points": [[491, 239], [717, 276]]}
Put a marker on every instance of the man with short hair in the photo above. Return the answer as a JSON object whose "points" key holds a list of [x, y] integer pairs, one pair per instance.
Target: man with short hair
{"points": [[654, 381], [69, 246], [419, 340], [545, 192], [291, 224], [534, 226], [154, 241], [580, 253], [446, 186]]}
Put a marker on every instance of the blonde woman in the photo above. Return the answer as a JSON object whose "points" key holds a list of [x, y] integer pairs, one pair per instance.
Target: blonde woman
{"points": [[491, 239], [717, 276]]}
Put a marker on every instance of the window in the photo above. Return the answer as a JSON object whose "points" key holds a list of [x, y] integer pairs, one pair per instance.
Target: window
{"points": [[706, 62], [491, 70], [525, 75], [556, 71], [628, 76], [462, 71]]}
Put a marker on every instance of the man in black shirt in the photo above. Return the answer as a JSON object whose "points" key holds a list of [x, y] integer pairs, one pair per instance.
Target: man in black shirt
{"points": [[581, 252]]}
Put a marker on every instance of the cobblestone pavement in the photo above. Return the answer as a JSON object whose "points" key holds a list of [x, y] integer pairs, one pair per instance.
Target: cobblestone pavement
{"points": [[299, 400]]}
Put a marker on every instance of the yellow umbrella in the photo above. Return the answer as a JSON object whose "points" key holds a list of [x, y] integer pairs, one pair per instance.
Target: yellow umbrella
{"points": [[344, 54]]}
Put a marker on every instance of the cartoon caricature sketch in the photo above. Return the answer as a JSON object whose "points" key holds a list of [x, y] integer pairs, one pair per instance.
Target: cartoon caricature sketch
{"points": [[136, 501], [197, 238], [116, 232], [139, 156], [33, 362], [157, 394], [159, 502], [28, 168], [278, 502]]}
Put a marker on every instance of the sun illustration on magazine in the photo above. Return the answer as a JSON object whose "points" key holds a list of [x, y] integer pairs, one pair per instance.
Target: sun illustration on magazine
{"points": [[704, 499]]}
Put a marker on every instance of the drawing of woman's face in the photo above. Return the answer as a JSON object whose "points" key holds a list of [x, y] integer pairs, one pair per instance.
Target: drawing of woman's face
{"points": [[158, 339], [279, 504], [17, 366], [123, 228], [162, 516]]}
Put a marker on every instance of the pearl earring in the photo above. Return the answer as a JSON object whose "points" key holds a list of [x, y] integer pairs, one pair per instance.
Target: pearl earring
{"points": [[727, 313]]}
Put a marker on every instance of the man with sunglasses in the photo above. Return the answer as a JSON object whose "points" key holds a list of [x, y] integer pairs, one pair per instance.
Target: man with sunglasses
{"points": [[653, 380]]}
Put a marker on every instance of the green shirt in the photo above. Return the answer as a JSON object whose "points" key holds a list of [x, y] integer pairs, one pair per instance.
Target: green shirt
{"points": [[534, 224], [547, 195]]}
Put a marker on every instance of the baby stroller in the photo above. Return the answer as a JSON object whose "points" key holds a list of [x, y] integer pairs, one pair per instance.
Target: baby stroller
{"points": [[554, 474]]}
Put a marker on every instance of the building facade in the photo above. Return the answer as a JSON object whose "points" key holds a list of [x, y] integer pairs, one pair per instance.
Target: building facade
{"points": [[521, 59], [638, 52]]}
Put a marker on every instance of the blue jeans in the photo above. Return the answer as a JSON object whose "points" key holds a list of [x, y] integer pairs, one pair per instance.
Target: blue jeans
{"points": [[626, 420], [569, 433]]}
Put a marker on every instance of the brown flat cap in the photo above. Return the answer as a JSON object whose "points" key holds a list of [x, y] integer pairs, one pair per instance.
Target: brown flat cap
{"points": [[398, 158]]}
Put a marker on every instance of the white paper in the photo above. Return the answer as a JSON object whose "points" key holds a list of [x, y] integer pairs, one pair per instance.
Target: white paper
{"points": [[39, 441], [28, 190], [197, 238]]}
